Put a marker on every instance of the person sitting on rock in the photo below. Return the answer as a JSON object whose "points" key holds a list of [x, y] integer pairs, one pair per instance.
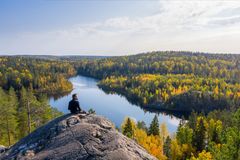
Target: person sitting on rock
{"points": [[74, 106]]}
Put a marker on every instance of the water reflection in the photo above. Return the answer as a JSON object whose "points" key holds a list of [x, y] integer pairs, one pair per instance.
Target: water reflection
{"points": [[114, 107], [178, 114]]}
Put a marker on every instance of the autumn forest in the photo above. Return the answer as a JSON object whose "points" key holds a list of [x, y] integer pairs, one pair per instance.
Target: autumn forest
{"points": [[205, 87]]}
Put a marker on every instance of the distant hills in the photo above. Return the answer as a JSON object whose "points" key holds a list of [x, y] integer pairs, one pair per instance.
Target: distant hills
{"points": [[63, 57]]}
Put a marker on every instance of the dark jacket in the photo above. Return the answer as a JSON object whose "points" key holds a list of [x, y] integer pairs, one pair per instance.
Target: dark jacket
{"points": [[74, 106]]}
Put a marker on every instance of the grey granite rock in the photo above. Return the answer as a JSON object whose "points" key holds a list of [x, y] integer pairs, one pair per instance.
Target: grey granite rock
{"points": [[80, 136], [2, 149]]}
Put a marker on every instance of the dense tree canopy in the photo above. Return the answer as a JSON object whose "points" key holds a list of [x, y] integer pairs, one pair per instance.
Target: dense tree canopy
{"points": [[176, 92], [209, 139], [175, 81], [226, 66], [20, 116], [179, 81], [46, 76]]}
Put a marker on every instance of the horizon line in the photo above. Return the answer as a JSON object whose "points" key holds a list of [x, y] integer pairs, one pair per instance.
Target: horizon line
{"points": [[100, 55]]}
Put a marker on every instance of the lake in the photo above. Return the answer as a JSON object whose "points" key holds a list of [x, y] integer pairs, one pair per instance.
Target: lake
{"points": [[112, 106]]}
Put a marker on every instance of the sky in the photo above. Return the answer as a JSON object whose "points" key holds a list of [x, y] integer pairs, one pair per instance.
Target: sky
{"points": [[118, 27]]}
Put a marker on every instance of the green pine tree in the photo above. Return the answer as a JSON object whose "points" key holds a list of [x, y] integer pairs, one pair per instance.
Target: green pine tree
{"points": [[184, 134], [28, 112], [199, 138], [22, 114], [167, 146], [128, 129], [8, 120], [12, 116], [154, 127]]}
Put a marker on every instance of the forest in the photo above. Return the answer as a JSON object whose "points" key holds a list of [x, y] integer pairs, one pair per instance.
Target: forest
{"points": [[25, 84], [179, 81], [226, 66], [44, 76], [21, 112], [176, 92], [212, 137], [206, 86]]}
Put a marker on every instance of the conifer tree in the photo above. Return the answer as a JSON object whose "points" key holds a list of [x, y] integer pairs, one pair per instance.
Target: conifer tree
{"points": [[154, 127], [28, 112], [199, 140], [167, 146], [22, 114], [42, 111], [128, 129], [11, 116], [184, 134], [8, 121]]}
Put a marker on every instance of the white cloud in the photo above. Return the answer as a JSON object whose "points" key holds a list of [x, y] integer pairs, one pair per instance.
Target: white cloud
{"points": [[212, 26]]}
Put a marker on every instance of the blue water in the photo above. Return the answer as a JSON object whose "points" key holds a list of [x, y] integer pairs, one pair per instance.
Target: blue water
{"points": [[112, 106]]}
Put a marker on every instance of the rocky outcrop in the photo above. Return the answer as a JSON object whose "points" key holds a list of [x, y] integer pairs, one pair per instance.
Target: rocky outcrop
{"points": [[2, 149], [80, 136]]}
